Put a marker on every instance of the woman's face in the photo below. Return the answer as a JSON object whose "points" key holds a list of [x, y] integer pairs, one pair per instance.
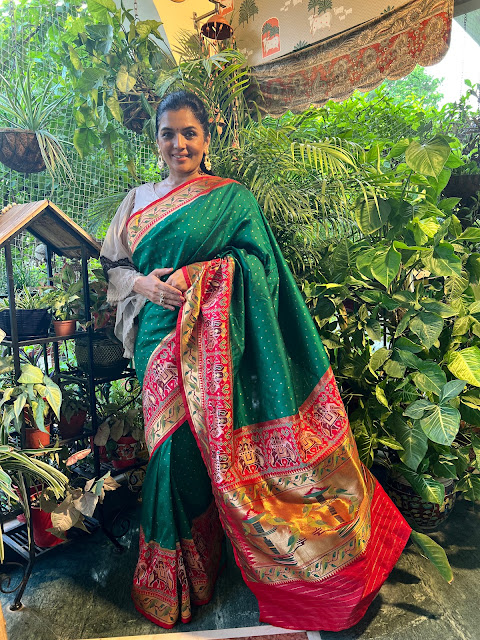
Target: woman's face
{"points": [[181, 141]]}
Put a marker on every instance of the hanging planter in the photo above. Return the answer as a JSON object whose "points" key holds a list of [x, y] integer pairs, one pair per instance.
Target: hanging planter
{"points": [[463, 185], [19, 150], [137, 109]]}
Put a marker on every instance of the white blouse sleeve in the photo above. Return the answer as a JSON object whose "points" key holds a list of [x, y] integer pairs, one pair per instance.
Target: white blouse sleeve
{"points": [[116, 259]]}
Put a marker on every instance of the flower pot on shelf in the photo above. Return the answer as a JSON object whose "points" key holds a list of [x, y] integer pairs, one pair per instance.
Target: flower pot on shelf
{"points": [[36, 439], [420, 514], [41, 521], [108, 357], [19, 150], [125, 452], [64, 328], [31, 323], [71, 428]]}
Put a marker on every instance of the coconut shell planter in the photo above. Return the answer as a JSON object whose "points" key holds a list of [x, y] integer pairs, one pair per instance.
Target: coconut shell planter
{"points": [[19, 150]]}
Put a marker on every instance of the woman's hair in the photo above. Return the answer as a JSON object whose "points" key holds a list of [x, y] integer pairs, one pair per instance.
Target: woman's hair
{"points": [[184, 100]]}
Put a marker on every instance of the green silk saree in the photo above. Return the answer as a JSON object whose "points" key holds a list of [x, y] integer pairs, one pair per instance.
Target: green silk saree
{"points": [[246, 429]]}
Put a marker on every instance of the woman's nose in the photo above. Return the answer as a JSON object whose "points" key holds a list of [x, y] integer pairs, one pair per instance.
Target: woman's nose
{"points": [[179, 141]]}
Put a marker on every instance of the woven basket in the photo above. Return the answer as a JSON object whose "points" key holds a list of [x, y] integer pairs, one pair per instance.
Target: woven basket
{"points": [[31, 323], [108, 357], [19, 150]]}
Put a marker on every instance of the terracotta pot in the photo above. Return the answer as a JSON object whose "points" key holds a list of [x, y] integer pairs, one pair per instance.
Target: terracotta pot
{"points": [[36, 439], [41, 521], [64, 328], [102, 451], [19, 150], [71, 428], [125, 452], [421, 515]]}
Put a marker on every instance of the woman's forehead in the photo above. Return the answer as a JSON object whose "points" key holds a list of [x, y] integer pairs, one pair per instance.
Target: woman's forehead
{"points": [[179, 119]]}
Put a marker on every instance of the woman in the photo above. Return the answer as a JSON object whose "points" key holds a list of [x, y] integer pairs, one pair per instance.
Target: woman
{"points": [[244, 423]]}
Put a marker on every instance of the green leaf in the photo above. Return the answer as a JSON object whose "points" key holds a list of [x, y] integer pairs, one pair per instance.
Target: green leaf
{"points": [[465, 365], [404, 344], [430, 378], [440, 308], [471, 233], [462, 325], [19, 404], [39, 414], [451, 390], [381, 397], [378, 358], [53, 395], [426, 487], [434, 553], [115, 109], [427, 159], [428, 327], [394, 368], [443, 261], [469, 485], [413, 440], [30, 374], [441, 424], [125, 80], [417, 409], [374, 330], [100, 9], [408, 358], [74, 58], [402, 325], [372, 215], [385, 266], [391, 443], [473, 267], [364, 261], [91, 78], [399, 148]]}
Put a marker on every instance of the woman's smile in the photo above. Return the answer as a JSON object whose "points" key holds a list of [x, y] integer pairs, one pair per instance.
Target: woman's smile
{"points": [[182, 142]]}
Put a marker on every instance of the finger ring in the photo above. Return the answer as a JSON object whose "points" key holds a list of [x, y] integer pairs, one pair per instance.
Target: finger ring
{"points": [[162, 297]]}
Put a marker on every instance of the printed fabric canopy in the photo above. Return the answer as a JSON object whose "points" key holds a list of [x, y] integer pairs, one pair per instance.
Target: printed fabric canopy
{"points": [[305, 52]]}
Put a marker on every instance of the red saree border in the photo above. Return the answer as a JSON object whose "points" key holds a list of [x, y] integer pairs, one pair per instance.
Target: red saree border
{"points": [[342, 599], [163, 408], [141, 222]]}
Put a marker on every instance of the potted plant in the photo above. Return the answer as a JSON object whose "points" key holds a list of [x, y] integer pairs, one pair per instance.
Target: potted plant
{"points": [[108, 357], [34, 400], [122, 429], [64, 301], [399, 311], [73, 412], [26, 145], [32, 314], [115, 61]]}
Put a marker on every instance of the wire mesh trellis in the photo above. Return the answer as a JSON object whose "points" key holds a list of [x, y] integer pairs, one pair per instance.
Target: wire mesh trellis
{"points": [[30, 35]]}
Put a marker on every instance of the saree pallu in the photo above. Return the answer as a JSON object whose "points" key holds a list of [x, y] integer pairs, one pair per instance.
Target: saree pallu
{"points": [[312, 531]]}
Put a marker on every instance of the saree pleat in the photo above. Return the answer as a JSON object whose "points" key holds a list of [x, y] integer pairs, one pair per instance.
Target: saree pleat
{"points": [[243, 366]]}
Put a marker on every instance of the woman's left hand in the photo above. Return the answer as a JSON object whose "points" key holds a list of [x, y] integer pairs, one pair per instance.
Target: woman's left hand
{"points": [[177, 280]]}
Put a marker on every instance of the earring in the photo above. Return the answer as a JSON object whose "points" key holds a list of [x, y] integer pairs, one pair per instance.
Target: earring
{"points": [[206, 161], [160, 161]]}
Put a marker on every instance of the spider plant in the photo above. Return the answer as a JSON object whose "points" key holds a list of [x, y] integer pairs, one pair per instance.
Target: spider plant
{"points": [[28, 106]]}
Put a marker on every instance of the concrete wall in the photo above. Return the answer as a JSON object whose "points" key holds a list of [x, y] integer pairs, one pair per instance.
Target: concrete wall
{"points": [[177, 16]]}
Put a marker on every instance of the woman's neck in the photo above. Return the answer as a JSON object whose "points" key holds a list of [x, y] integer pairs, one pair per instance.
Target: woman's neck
{"points": [[173, 180]]}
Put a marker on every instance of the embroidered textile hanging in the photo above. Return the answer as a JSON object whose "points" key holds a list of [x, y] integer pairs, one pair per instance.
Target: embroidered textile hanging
{"points": [[389, 45]]}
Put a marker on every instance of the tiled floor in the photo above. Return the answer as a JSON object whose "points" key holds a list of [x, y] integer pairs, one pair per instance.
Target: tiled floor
{"points": [[82, 591]]}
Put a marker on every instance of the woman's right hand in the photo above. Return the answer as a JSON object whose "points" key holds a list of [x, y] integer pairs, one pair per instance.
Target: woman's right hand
{"points": [[157, 291]]}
